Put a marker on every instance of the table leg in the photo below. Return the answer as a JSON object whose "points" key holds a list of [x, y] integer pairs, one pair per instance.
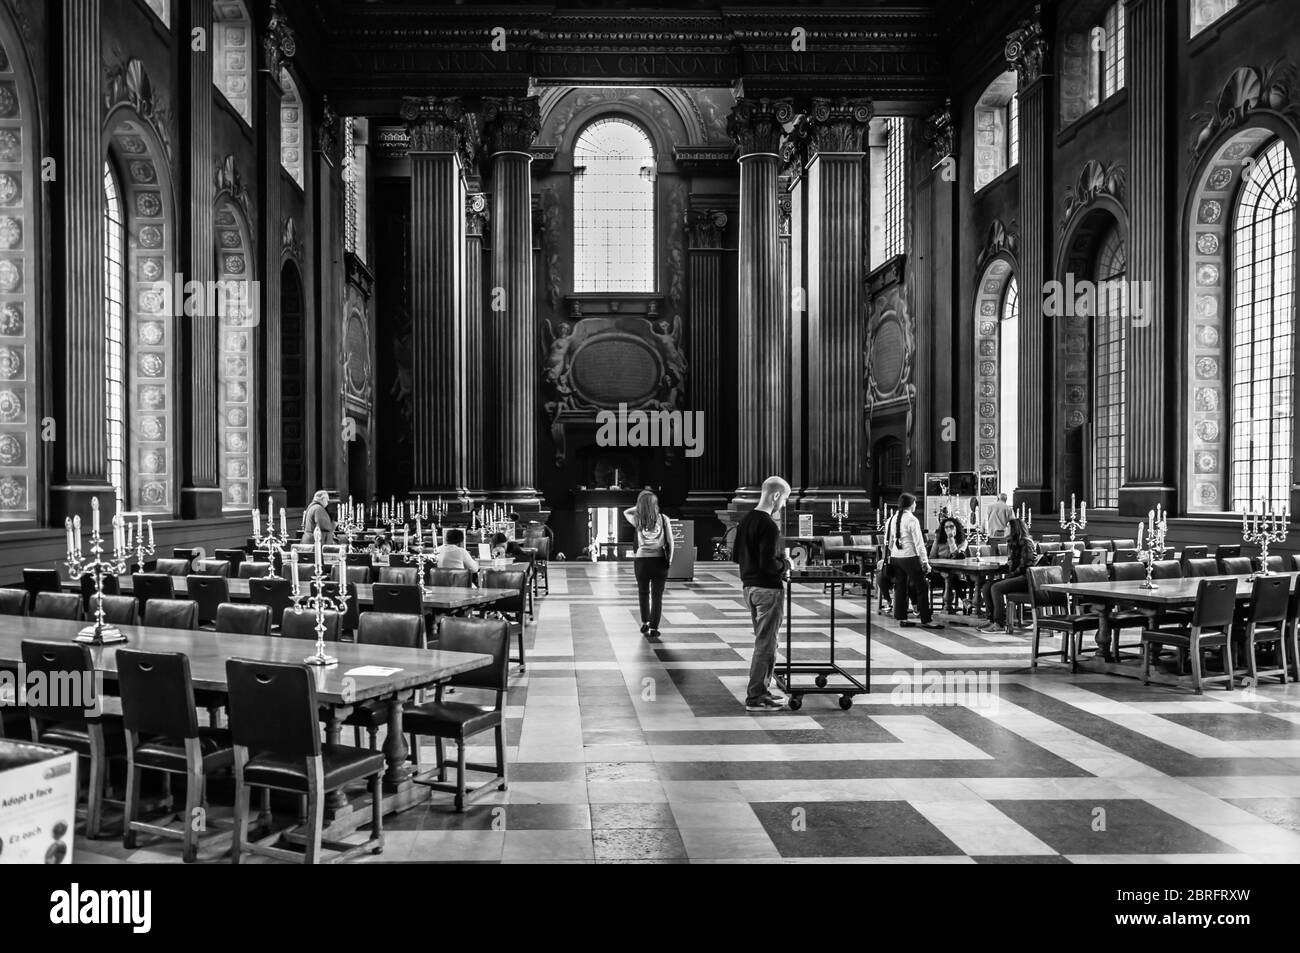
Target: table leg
{"points": [[1103, 632], [336, 800], [395, 750]]}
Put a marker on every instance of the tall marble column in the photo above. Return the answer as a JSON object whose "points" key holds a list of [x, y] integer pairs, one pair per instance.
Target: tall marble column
{"points": [[80, 450], [510, 124], [834, 180], [278, 47], [1148, 460], [439, 359], [762, 372], [704, 232], [200, 492], [1026, 52], [476, 222]]}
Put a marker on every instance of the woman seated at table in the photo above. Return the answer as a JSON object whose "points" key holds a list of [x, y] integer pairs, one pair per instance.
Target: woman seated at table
{"points": [[453, 554], [502, 547], [949, 543], [1022, 552]]}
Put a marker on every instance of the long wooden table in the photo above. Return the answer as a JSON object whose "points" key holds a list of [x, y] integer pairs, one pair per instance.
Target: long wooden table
{"points": [[435, 598], [338, 687], [978, 568], [1166, 594]]}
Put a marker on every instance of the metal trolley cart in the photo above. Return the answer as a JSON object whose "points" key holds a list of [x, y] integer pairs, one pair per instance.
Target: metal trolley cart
{"points": [[847, 685]]}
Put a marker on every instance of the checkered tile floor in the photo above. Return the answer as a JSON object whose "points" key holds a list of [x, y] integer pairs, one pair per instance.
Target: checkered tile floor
{"points": [[626, 751]]}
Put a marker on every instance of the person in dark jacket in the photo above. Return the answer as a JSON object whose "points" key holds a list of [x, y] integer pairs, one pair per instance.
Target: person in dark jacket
{"points": [[317, 515], [764, 571], [1022, 552]]}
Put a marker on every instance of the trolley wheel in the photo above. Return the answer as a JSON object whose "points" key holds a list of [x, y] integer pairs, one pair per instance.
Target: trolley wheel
{"points": [[820, 681], [846, 702], [796, 702]]}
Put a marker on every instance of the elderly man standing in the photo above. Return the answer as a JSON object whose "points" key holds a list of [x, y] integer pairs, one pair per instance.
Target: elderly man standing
{"points": [[764, 571], [317, 516]]}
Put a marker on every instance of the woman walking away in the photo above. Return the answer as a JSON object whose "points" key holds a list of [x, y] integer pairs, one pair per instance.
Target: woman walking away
{"points": [[911, 563], [654, 551], [317, 516], [1022, 552]]}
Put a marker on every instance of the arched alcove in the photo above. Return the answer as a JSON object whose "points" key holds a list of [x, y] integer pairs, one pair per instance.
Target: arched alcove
{"points": [[236, 356], [233, 55], [997, 315], [151, 298]]}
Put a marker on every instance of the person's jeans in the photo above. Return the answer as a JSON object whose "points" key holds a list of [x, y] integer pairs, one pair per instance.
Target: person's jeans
{"points": [[910, 577], [651, 574], [995, 591], [767, 607]]}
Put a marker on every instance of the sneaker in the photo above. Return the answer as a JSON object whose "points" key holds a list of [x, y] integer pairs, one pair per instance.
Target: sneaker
{"points": [[774, 691], [932, 625], [989, 629], [645, 628], [653, 635], [766, 703]]}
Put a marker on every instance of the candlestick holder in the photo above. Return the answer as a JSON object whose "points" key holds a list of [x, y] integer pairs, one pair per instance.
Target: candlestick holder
{"points": [[275, 544], [141, 551], [97, 567], [1155, 550], [317, 601], [422, 560], [1076, 522], [1271, 529], [839, 513]]}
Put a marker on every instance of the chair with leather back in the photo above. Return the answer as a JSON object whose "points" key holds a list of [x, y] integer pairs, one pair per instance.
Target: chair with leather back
{"points": [[358, 559], [42, 580], [276, 594], [1235, 566], [275, 727], [208, 592], [1166, 569], [172, 613], [1049, 538], [1195, 551], [1293, 628], [359, 575], [541, 559], [511, 607], [1125, 555], [1266, 624], [109, 586], [1211, 628], [458, 578], [399, 575], [460, 721], [235, 557], [57, 605], [81, 724], [163, 734], [120, 610], [1045, 547], [348, 620], [397, 597], [1047, 617], [13, 602], [243, 618], [1088, 573], [1117, 544], [1295, 562], [252, 569], [302, 625], [1127, 570], [1230, 551], [1275, 564], [1089, 556], [399, 629], [172, 567], [213, 567], [152, 585], [1208, 566]]}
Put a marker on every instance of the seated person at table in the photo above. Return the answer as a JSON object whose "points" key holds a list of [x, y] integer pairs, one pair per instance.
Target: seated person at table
{"points": [[383, 544], [1022, 552], [453, 554], [949, 543], [504, 548]]}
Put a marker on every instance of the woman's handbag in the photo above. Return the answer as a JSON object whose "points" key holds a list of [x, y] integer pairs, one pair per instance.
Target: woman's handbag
{"points": [[668, 539]]}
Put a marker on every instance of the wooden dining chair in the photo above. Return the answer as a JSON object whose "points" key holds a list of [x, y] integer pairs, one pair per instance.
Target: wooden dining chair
{"points": [[1210, 629], [1047, 615], [1266, 624]]}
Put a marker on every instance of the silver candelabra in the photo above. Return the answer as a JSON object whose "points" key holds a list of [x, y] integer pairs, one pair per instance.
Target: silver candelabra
{"points": [[1156, 526], [316, 600], [97, 567], [1264, 529], [839, 513], [1078, 518]]}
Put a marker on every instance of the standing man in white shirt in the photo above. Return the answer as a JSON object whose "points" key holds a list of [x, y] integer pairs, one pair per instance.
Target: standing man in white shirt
{"points": [[999, 516], [911, 563]]}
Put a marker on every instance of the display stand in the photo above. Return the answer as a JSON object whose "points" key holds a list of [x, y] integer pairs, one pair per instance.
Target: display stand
{"points": [[847, 685]]}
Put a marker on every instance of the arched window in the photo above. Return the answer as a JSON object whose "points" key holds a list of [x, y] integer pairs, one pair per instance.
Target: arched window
{"points": [[895, 188], [997, 132], [114, 335], [1109, 360], [1205, 12], [1009, 385], [613, 208], [232, 55], [291, 128], [162, 10], [1263, 326]]}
